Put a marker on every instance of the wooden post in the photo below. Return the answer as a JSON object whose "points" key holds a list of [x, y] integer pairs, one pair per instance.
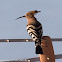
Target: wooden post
{"points": [[48, 52]]}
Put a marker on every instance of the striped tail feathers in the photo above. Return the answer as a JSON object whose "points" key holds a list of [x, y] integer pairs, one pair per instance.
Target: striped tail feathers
{"points": [[38, 49], [36, 34]]}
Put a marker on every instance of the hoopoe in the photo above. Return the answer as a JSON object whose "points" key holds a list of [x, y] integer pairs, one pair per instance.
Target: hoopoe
{"points": [[34, 28]]}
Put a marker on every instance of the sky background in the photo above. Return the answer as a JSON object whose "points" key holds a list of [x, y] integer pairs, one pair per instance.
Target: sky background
{"points": [[50, 17]]}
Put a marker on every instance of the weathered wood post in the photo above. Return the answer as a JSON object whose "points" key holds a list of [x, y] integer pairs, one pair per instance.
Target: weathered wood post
{"points": [[48, 52]]}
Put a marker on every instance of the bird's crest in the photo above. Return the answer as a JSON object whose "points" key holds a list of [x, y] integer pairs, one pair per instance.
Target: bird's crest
{"points": [[29, 14]]}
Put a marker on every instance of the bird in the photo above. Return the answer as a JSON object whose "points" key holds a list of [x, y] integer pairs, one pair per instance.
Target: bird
{"points": [[34, 29]]}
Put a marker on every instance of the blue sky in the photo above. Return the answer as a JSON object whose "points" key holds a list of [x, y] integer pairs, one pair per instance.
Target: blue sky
{"points": [[50, 18]]}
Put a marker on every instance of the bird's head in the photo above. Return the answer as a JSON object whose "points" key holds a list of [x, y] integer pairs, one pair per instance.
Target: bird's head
{"points": [[30, 14]]}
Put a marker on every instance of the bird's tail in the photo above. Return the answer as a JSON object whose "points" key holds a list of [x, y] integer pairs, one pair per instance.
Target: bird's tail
{"points": [[38, 49]]}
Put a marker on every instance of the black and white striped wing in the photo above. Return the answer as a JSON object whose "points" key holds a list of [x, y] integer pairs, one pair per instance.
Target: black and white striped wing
{"points": [[35, 33]]}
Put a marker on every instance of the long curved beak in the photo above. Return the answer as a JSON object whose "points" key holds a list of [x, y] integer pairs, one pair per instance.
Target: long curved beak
{"points": [[20, 17]]}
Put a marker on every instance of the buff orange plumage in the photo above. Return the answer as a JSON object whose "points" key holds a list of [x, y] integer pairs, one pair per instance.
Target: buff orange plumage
{"points": [[34, 28]]}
